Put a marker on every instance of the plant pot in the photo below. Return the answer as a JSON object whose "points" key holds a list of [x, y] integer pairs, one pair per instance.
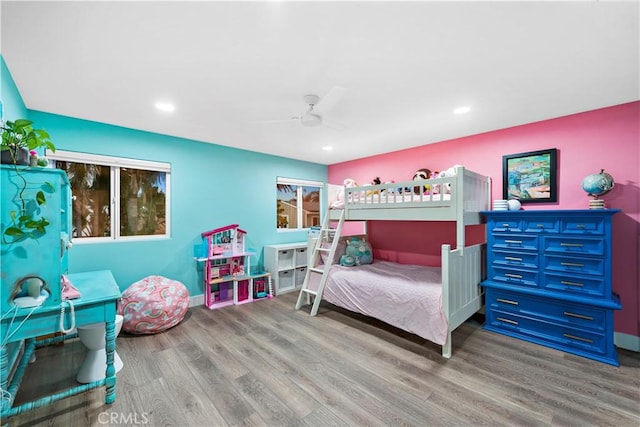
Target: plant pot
{"points": [[20, 154]]}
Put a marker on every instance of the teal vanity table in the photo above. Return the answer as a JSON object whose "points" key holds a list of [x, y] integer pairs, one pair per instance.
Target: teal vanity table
{"points": [[99, 295]]}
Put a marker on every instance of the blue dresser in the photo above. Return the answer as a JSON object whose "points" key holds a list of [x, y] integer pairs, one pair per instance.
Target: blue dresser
{"points": [[549, 279]]}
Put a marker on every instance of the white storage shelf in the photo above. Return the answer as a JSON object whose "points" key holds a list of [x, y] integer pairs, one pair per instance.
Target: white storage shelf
{"points": [[287, 264]]}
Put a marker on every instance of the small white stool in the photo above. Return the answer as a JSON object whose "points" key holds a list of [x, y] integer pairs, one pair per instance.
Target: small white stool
{"points": [[94, 366]]}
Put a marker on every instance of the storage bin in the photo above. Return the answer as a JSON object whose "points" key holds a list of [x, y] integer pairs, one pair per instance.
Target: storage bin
{"points": [[301, 256], [300, 273], [285, 259], [285, 280]]}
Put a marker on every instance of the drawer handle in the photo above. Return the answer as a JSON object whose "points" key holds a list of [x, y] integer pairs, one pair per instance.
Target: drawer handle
{"points": [[510, 258], [580, 226], [540, 225], [505, 225], [514, 242], [513, 276], [502, 319], [572, 245], [571, 264], [507, 301], [566, 282], [573, 337], [579, 316]]}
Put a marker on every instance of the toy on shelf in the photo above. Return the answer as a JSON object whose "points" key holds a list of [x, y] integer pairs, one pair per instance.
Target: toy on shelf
{"points": [[227, 275]]}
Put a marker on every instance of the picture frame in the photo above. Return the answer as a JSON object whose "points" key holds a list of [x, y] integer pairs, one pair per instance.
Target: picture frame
{"points": [[530, 177]]}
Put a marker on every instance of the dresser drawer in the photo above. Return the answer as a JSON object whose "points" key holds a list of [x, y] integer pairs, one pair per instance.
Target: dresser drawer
{"points": [[515, 259], [573, 245], [574, 285], [573, 265], [555, 335], [505, 225], [513, 276], [542, 225], [549, 310], [586, 226], [515, 241]]}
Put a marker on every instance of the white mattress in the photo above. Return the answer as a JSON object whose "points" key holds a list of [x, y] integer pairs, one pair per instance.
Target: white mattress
{"points": [[408, 297]]}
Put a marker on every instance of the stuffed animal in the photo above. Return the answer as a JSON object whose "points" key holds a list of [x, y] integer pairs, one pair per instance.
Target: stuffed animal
{"points": [[347, 183], [358, 252], [418, 176], [347, 261], [375, 181], [448, 173], [390, 190]]}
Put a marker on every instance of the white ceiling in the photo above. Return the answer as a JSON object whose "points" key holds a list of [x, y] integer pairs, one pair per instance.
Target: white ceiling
{"points": [[405, 66]]}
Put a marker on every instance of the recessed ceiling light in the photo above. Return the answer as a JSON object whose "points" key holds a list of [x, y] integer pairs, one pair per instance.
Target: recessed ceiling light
{"points": [[327, 148], [165, 106], [462, 110]]}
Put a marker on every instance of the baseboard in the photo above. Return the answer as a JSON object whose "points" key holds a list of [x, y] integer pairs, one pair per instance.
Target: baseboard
{"points": [[626, 341], [196, 300]]}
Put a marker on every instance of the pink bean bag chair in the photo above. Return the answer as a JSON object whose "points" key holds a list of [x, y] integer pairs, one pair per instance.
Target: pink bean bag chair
{"points": [[153, 304]]}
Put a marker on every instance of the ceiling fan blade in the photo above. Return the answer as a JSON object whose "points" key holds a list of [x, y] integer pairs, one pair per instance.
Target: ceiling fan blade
{"points": [[333, 125], [330, 100], [274, 121]]}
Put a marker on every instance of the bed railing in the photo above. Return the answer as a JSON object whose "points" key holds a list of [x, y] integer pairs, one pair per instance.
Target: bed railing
{"points": [[400, 195]]}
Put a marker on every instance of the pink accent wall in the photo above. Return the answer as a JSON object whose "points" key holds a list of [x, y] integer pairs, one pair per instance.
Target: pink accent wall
{"points": [[608, 138]]}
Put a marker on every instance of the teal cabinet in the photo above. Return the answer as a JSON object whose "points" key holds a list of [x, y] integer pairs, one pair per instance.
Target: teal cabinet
{"points": [[46, 195]]}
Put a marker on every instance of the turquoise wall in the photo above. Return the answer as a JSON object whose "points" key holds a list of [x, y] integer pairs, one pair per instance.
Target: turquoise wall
{"points": [[14, 107], [211, 186]]}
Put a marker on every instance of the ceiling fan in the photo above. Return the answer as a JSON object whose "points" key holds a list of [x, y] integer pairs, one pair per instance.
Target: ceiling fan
{"points": [[317, 107]]}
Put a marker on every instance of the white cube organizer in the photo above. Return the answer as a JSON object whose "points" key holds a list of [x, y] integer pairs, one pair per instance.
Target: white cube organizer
{"points": [[287, 264]]}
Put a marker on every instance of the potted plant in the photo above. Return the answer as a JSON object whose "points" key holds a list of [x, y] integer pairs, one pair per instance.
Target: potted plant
{"points": [[18, 138]]}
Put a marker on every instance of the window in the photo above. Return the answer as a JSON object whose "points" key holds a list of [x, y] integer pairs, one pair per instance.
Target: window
{"points": [[298, 203], [116, 198]]}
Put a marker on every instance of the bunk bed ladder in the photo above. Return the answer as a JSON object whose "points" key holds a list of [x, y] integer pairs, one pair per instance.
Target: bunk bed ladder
{"points": [[327, 234]]}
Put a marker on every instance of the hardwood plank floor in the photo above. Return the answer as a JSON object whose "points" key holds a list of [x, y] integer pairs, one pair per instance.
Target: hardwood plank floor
{"points": [[265, 364]]}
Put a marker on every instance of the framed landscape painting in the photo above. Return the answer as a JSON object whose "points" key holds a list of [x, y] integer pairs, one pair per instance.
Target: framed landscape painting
{"points": [[530, 177]]}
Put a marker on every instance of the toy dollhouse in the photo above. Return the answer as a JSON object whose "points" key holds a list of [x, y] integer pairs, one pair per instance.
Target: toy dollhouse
{"points": [[227, 275]]}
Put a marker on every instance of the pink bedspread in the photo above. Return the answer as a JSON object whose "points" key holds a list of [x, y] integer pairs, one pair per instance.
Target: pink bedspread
{"points": [[408, 297]]}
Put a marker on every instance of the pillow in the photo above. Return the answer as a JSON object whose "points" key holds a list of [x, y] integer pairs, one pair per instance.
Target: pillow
{"points": [[358, 252], [342, 246], [340, 249]]}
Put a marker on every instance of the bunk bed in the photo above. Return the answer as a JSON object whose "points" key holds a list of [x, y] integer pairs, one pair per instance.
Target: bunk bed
{"points": [[443, 297]]}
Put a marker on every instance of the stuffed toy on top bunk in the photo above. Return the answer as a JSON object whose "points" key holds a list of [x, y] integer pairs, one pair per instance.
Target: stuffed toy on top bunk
{"points": [[340, 199]]}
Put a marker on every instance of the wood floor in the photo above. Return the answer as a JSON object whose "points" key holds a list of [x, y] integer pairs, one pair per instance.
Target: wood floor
{"points": [[265, 364]]}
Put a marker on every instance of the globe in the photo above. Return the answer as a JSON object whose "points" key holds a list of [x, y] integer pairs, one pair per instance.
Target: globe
{"points": [[597, 184]]}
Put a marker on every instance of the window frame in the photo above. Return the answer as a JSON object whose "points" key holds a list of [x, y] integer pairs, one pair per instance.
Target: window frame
{"points": [[299, 183], [115, 164]]}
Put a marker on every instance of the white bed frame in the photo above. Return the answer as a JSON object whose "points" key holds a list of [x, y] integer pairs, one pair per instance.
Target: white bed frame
{"points": [[463, 267]]}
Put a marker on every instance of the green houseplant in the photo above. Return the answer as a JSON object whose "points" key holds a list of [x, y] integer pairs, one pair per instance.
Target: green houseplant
{"points": [[18, 138]]}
